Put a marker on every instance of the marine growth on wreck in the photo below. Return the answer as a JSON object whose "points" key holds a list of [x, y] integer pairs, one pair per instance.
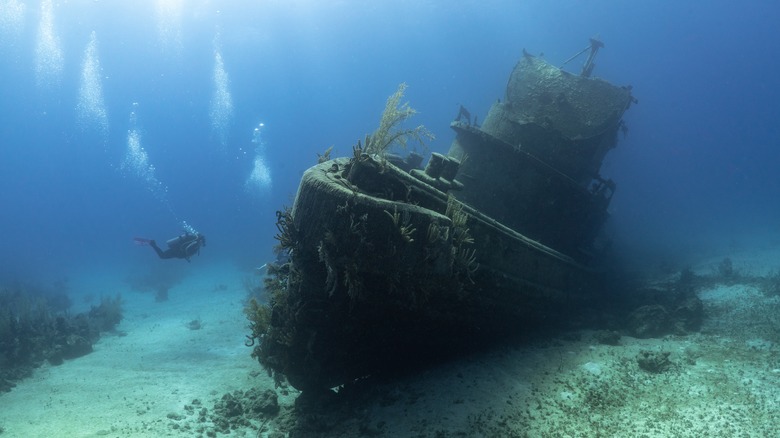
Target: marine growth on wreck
{"points": [[388, 264]]}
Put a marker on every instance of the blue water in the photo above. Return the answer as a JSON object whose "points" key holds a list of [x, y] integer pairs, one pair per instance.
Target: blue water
{"points": [[123, 119]]}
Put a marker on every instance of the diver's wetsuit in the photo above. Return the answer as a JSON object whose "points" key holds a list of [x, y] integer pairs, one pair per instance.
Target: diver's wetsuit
{"points": [[182, 247]]}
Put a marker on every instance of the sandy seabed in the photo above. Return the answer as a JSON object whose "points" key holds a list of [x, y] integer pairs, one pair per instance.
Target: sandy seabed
{"points": [[142, 381], [150, 367]]}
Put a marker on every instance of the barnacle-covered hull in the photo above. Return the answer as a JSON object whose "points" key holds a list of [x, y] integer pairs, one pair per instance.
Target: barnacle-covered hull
{"points": [[389, 266]]}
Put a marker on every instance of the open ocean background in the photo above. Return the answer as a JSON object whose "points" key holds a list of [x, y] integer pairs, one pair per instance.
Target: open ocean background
{"points": [[121, 119]]}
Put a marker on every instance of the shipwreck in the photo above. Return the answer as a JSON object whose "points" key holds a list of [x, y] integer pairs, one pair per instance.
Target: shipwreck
{"points": [[388, 263]]}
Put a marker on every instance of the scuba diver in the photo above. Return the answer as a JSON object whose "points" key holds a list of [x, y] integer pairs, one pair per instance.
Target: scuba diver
{"points": [[181, 247]]}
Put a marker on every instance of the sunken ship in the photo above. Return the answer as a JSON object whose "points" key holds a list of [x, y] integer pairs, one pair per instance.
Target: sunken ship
{"points": [[388, 264]]}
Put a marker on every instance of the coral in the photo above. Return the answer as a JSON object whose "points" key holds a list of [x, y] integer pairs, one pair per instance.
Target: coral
{"points": [[325, 155], [465, 258], [389, 132], [259, 316], [286, 235], [401, 221], [108, 314], [33, 329], [257, 311]]}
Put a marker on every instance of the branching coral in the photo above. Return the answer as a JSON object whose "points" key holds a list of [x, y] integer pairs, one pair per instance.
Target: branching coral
{"points": [[286, 234], [259, 316], [389, 132], [464, 257], [402, 221]]}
